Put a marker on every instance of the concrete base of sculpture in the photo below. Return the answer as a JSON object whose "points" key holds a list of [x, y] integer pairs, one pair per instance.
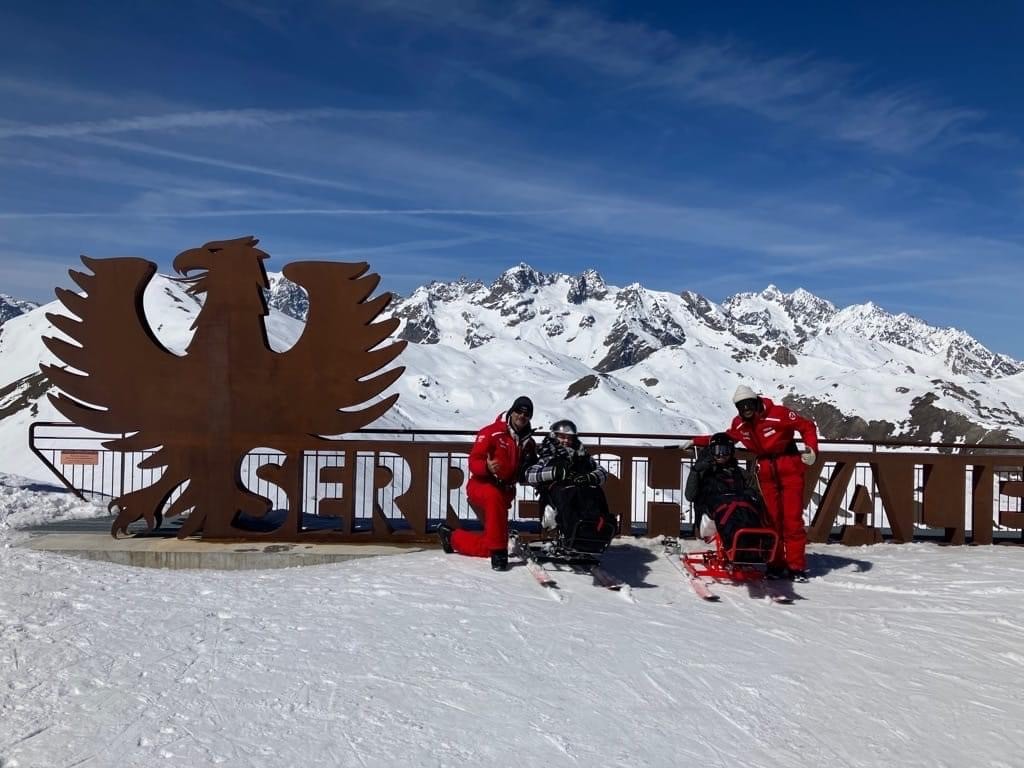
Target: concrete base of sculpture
{"points": [[174, 553]]}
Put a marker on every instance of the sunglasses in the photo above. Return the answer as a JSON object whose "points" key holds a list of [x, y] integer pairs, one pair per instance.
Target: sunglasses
{"points": [[525, 411], [750, 404]]}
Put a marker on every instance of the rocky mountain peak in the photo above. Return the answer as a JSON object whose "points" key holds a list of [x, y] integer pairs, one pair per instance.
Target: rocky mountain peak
{"points": [[588, 285], [438, 291], [962, 353], [521, 277], [287, 297], [12, 307]]}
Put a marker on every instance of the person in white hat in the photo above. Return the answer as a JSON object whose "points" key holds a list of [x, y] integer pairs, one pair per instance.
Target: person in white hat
{"points": [[769, 432]]}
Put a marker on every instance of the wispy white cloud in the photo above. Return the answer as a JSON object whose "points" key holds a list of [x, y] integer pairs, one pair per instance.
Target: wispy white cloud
{"points": [[63, 94], [234, 118], [246, 212], [823, 96], [228, 165], [408, 246]]}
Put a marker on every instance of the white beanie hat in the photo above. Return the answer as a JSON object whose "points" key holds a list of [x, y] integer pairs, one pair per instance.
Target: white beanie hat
{"points": [[743, 392]]}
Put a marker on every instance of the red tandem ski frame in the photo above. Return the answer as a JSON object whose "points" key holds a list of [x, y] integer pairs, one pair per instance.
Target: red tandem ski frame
{"points": [[727, 565]]}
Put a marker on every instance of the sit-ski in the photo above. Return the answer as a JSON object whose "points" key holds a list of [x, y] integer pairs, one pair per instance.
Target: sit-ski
{"points": [[745, 562]]}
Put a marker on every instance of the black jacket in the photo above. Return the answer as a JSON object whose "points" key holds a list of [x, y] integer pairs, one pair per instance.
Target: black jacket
{"points": [[709, 483]]}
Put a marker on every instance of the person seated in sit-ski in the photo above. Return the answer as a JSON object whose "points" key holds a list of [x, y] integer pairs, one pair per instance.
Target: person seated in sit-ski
{"points": [[725, 496], [568, 481]]}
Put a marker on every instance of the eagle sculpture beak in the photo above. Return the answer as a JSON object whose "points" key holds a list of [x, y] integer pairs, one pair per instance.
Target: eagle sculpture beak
{"points": [[191, 260]]}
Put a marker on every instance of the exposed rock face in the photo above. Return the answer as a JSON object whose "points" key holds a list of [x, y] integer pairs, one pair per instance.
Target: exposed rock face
{"points": [[476, 335], [285, 296], [419, 328], [512, 287], [780, 355], [582, 386], [643, 325], [554, 326], [589, 285], [928, 422], [23, 394], [704, 311], [835, 424], [12, 307]]}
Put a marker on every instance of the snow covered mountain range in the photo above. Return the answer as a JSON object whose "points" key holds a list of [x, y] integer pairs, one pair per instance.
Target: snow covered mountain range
{"points": [[627, 359], [671, 361]]}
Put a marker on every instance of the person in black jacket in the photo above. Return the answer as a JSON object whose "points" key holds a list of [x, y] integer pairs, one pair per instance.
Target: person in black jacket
{"points": [[725, 496], [568, 481]]}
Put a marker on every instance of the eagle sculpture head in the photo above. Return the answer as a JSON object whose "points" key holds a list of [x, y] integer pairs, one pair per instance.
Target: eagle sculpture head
{"points": [[223, 265]]}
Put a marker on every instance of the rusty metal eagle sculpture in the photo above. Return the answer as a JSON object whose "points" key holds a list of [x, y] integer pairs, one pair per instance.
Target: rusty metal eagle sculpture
{"points": [[202, 412]]}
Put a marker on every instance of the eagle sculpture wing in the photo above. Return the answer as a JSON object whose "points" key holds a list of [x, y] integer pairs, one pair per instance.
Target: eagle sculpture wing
{"points": [[327, 392], [121, 362]]}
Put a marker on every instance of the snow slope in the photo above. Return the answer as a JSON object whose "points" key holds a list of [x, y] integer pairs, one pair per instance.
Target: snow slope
{"points": [[900, 655]]}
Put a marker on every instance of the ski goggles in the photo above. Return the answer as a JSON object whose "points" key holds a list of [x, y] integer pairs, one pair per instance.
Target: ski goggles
{"points": [[750, 404], [721, 450]]}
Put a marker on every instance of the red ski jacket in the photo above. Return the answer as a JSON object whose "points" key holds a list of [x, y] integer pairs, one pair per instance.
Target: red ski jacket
{"points": [[500, 442], [771, 431]]}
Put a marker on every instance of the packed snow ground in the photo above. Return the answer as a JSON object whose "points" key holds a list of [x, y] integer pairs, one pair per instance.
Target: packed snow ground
{"points": [[908, 655]]}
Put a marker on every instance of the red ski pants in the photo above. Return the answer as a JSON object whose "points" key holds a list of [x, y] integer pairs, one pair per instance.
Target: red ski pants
{"points": [[491, 504], [782, 485]]}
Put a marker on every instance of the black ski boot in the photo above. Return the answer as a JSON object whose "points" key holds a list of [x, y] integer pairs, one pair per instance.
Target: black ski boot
{"points": [[499, 559], [801, 577], [444, 533]]}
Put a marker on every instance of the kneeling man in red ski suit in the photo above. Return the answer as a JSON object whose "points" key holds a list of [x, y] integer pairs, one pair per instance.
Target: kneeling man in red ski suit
{"points": [[767, 430], [499, 457]]}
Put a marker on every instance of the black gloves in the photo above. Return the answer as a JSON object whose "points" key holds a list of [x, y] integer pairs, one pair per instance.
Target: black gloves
{"points": [[703, 462], [587, 478]]}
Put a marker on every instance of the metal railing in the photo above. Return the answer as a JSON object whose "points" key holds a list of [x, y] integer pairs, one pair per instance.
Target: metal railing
{"points": [[380, 484]]}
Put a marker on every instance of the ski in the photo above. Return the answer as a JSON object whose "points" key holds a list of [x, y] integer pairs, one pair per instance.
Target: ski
{"points": [[542, 576], [674, 554], [539, 573], [780, 595], [696, 582], [771, 594], [607, 580], [612, 583]]}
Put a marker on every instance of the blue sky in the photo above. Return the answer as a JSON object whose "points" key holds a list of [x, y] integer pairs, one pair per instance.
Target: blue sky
{"points": [[860, 151]]}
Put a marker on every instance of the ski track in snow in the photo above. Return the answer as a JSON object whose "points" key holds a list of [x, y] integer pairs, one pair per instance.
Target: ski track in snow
{"points": [[896, 655]]}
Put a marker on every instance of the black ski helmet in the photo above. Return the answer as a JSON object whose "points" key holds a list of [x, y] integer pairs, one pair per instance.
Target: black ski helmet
{"points": [[722, 445], [563, 427]]}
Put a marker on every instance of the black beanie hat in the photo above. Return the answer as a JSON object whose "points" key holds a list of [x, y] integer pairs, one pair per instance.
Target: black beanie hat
{"points": [[524, 404]]}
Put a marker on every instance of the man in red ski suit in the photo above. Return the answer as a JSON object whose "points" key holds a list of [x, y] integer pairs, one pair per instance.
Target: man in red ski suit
{"points": [[767, 430], [497, 461]]}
